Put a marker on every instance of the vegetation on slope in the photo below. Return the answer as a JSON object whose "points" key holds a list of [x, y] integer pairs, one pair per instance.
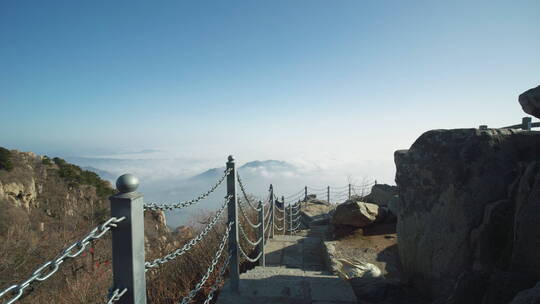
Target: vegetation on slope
{"points": [[5, 159], [69, 203]]}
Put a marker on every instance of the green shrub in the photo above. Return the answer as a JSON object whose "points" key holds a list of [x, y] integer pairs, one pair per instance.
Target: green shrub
{"points": [[5, 160], [46, 160], [75, 176]]}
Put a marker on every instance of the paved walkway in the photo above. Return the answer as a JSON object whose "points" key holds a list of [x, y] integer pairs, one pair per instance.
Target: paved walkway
{"points": [[295, 272]]}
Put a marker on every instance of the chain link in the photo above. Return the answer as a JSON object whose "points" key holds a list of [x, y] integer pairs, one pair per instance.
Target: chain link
{"points": [[218, 280], [180, 251], [246, 216], [247, 257], [244, 192], [180, 205], [116, 295], [46, 270], [247, 238], [277, 227], [210, 269]]}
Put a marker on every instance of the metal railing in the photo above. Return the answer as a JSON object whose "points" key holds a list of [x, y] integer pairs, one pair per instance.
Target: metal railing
{"points": [[525, 125], [127, 226]]}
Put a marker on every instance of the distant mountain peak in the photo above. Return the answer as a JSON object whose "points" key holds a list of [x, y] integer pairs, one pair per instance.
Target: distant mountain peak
{"points": [[271, 165], [267, 163]]}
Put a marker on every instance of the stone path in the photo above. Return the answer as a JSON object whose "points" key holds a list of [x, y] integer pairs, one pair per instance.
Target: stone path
{"points": [[295, 272]]}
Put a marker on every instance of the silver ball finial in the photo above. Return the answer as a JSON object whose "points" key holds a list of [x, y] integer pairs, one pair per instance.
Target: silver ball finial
{"points": [[230, 158], [127, 183]]}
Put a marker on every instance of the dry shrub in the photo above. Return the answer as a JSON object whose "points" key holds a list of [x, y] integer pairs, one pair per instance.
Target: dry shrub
{"points": [[87, 278]]}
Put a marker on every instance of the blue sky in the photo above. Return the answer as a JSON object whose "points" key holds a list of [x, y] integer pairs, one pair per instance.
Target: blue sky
{"points": [[350, 81]]}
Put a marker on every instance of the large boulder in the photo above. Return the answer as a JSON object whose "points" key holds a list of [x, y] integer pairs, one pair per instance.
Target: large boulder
{"points": [[528, 296], [357, 214], [381, 194], [530, 101], [315, 213], [470, 205]]}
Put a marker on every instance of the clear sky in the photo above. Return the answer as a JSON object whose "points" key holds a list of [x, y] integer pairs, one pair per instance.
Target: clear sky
{"points": [[289, 80]]}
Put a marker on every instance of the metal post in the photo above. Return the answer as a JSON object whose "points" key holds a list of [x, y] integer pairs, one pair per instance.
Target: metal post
{"points": [[290, 218], [128, 241], [349, 191], [284, 213], [272, 211], [305, 193], [262, 262], [328, 194], [232, 213], [526, 123]]}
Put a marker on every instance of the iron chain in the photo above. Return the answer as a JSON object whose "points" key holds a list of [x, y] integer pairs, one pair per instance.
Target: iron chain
{"points": [[180, 205], [246, 217], [210, 269], [46, 270], [244, 192], [218, 281], [247, 257], [180, 251], [247, 238], [116, 295]]}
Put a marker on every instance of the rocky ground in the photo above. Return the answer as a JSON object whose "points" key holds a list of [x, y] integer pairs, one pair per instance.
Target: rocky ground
{"points": [[375, 271]]}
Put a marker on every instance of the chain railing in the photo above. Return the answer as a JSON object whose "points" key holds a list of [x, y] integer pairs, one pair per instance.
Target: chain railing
{"points": [[210, 269], [49, 268], [180, 205], [180, 251], [116, 295], [127, 227], [243, 189]]}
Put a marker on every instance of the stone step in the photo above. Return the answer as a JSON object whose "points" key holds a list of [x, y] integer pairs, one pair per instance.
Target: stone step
{"points": [[294, 273]]}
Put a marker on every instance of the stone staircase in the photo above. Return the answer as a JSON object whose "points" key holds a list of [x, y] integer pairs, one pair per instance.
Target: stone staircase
{"points": [[295, 272]]}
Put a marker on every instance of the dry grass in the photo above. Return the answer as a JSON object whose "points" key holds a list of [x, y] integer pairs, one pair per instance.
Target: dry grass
{"points": [[87, 278]]}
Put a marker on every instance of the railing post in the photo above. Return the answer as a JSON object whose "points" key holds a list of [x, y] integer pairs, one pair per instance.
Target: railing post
{"points": [[284, 213], [290, 218], [232, 213], [305, 193], [272, 211], [261, 233], [526, 123], [349, 191], [328, 194], [128, 241]]}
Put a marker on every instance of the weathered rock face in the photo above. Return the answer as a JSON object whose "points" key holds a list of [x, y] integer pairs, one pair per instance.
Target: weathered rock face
{"points": [[357, 214], [469, 206], [528, 296], [530, 101], [381, 194]]}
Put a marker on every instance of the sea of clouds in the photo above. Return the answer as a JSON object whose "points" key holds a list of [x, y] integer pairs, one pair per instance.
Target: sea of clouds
{"points": [[168, 178]]}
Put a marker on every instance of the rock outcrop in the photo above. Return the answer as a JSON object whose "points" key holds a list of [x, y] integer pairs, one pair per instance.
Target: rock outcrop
{"points": [[381, 194], [357, 214], [530, 101], [469, 213], [315, 212], [528, 296]]}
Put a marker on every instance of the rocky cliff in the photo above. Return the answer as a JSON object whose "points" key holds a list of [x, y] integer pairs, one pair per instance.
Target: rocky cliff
{"points": [[469, 214], [47, 204], [49, 191]]}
